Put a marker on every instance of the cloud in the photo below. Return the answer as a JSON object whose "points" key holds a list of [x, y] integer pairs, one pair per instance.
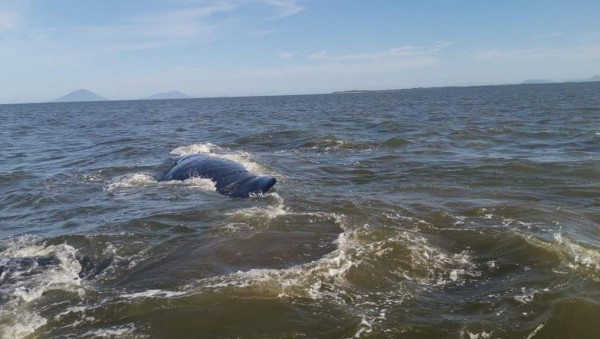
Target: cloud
{"points": [[507, 54], [337, 69], [398, 52], [588, 51], [187, 23], [390, 54], [9, 20], [323, 64], [287, 55], [286, 7]]}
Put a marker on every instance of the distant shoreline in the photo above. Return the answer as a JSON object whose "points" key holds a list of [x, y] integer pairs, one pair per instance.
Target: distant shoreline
{"points": [[524, 83], [356, 91]]}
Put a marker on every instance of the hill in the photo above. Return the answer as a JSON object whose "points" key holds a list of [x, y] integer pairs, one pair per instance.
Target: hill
{"points": [[168, 95], [536, 81], [80, 95], [594, 78], [544, 81]]}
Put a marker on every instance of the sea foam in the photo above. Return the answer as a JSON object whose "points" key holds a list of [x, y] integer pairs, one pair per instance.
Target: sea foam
{"points": [[21, 286]]}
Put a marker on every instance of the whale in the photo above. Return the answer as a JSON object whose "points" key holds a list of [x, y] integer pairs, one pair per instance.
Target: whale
{"points": [[231, 178]]}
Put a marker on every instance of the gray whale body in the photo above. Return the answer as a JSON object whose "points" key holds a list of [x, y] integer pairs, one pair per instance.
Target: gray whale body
{"points": [[230, 178]]}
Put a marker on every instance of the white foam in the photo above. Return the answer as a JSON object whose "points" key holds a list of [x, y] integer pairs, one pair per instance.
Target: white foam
{"points": [[130, 181], [114, 332], [574, 256], [242, 158], [23, 325], [329, 145], [201, 183], [537, 329], [266, 213], [153, 294], [365, 326], [526, 296], [482, 335], [20, 287], [331, 278], [194, 149], [73, 310], [579, 256], [140, 180], [460, 220]]}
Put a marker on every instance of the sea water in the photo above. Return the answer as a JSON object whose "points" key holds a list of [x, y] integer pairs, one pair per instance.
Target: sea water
{"points": [[426, 213]]}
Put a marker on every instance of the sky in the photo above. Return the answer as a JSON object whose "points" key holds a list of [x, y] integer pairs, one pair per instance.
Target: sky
{"points": [[129, 49]]}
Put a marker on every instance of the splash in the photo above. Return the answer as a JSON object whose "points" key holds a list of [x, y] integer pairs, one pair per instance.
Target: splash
{"points": [[201, 183], [194, 149], [262, 214], [242, 158], [22, 286], [574, 256], [341, 277], [130, 181], [578, 256]]}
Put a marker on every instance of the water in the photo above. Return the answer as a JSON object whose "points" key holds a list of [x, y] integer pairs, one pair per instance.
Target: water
{"points": [[426, 213]]}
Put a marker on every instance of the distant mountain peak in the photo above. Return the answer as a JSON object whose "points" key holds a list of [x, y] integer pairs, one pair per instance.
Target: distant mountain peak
{"points": [[594, 78], [168, 95], [80, 95]]}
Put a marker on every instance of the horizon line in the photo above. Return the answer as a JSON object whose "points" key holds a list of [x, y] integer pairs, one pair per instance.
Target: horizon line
{"points": [[352, 91]]}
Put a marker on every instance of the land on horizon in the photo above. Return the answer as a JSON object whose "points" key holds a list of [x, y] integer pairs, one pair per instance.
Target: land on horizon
{"points": [[83, 95]]}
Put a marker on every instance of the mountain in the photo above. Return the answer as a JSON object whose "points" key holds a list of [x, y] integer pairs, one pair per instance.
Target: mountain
{"points": [[168, 95], [594, 78], [536, 81], [80, 95], [544, 81]]}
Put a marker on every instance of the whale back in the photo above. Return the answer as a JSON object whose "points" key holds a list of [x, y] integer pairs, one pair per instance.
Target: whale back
{"points": [[255, 185], [230, 178]]}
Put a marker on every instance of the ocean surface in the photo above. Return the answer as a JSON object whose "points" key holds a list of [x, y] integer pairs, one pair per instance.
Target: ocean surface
{"points": [[425, 213]]}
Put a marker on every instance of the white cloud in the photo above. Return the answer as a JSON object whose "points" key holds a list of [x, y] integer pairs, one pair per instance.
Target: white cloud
{"points": [[507, 54], [286, 7], [338, 69], [323, 64], [589, 51], [390, 54], [179, 24], [398, 52], [287, 55]]}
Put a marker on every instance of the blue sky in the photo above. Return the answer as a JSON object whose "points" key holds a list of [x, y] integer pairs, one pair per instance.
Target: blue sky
{"points": [[131, 49]]}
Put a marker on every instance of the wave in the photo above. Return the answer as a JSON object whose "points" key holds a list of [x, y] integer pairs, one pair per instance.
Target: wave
{"points": [[344, 277], [130, 181], [22, 285], [142, 180], [333, 144], [194, 149], [574, 256]]}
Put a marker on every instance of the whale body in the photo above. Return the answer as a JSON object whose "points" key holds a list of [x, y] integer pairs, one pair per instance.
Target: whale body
{"points": [[230, 178]]}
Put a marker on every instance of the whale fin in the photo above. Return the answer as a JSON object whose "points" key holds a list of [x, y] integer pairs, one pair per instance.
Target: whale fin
{"points": [[256, 185]]}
